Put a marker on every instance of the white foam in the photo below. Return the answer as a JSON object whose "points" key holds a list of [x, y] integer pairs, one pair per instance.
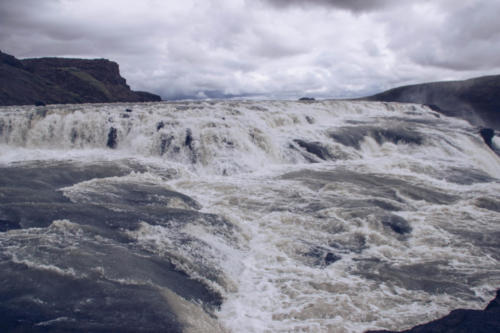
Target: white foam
{"points": [[496, 142], [233, 165], [225, 137], [279, 292]]}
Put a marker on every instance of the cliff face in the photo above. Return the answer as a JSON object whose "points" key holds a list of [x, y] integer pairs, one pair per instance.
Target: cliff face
{"points": [[61, 80], [476, 100]]}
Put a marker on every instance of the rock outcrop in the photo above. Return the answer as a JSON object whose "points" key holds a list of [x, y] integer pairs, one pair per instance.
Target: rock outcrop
{"points": [[476, 100], [63, 80]]}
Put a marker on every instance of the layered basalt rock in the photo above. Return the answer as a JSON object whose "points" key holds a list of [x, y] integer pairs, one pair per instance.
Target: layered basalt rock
{"points": [[63, 80]]}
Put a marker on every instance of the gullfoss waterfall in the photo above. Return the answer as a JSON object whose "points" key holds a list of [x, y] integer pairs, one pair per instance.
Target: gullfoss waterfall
{"points": [[243, 216]]}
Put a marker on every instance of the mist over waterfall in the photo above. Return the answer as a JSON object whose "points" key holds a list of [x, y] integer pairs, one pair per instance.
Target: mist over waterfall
{"points": [[243, 216]]}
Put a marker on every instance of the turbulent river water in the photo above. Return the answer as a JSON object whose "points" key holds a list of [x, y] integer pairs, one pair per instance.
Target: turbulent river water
{"points": [[243, 216]]}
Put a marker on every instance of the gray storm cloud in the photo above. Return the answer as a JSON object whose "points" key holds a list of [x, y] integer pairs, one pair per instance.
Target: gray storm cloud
{"points": [[457, 38], [352, 5], [266, 48]]}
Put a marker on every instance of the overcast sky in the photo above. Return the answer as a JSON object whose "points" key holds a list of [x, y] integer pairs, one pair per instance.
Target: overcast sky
{"points": [[266, 48]]}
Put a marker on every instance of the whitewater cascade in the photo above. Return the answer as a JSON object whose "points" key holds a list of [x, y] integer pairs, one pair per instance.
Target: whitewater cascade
{"points": [[244, 216]]}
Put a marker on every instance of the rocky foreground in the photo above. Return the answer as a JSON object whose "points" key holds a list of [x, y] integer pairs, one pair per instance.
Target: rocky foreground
{"points": [[63, 80]]}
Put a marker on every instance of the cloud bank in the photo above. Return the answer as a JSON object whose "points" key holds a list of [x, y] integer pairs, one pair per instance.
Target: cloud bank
{"points": [[263, 48], [352, 5]]}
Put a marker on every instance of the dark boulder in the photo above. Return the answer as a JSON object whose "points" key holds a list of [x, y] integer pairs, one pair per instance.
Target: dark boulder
{"points": [[307, 99], [160, 125], [434, 107], [487, 134], [319, 256], [330, 258], [189, 139], [310, 120], [314, 148], [112, 138], [397, 224]]}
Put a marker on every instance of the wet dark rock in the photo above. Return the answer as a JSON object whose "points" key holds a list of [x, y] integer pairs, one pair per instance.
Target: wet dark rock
{"points": [[462, 321], [124, 115], [434, 107], [310, 120], [355, 243], [314, 148], [227, 142], [128, 110], [189, 139], [487, 134], [112, 138], [330, 258], [321, 256], [160, 125], [398, 224], [73, 135], [307, 99]]}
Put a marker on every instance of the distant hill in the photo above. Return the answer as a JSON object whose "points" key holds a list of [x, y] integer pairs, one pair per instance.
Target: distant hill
{"points": [[62, 80], [476, 100]]}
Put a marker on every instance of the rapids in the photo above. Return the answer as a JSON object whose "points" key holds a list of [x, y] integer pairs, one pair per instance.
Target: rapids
{"points": [[243, 216]]}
